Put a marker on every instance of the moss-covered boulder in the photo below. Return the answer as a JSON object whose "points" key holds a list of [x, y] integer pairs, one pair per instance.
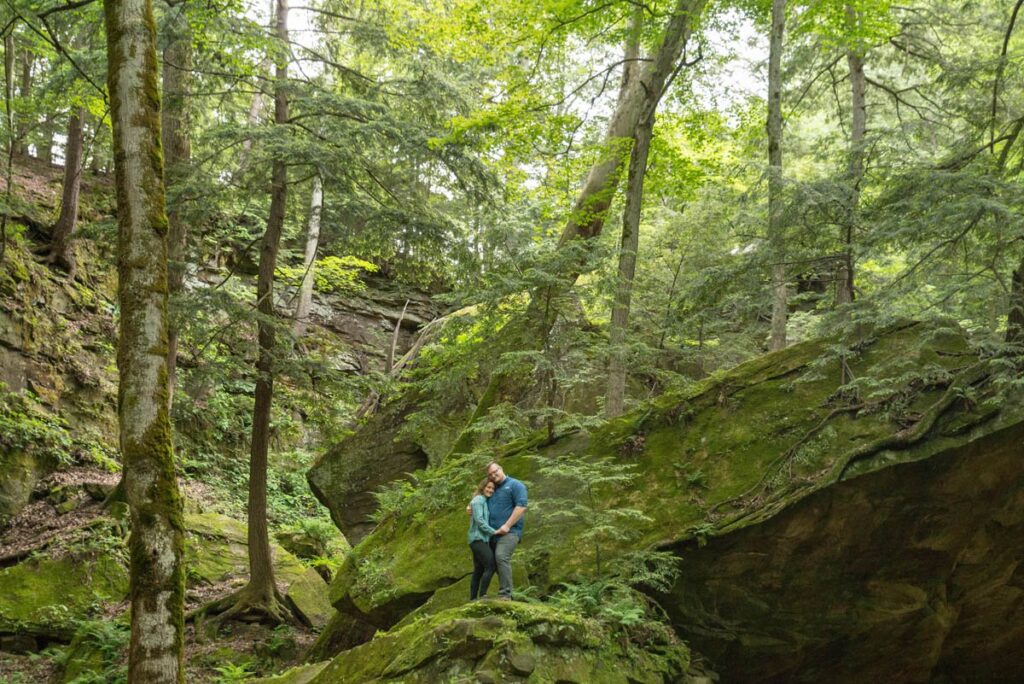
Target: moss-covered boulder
{"points": [[46, 597], [216, 550], [501, 641], [767, 451]]}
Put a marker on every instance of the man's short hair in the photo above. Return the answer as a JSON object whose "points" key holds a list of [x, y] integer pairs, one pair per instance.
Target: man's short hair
{"points": [[487, 468]]}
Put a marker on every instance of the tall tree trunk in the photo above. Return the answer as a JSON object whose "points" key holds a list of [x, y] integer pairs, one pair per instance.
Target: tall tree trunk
{"points": [[252, 119], [260, 596], [855, 171], [628, 246], [639, 95], [12, 139], [45, 151], [615, 395], [776, 238], [175, 120], [25, 92], [61, 253], [1015, 317], [305, 302], [155, 653]]}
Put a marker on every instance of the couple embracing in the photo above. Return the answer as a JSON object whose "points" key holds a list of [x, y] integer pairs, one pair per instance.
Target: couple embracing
{"points": [[495, 529]]}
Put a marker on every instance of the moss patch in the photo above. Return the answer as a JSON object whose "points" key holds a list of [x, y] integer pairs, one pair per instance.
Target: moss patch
{"points": [[505, 641], [47, 597], [731, 452]]}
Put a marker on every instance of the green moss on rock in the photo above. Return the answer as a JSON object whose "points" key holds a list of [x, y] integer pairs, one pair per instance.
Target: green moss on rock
{"points": [[505, 642], [216, 550], [48, 597], [732, 452]]}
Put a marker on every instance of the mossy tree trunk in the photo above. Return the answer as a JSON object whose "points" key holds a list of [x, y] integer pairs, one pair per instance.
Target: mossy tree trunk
{"points": [[615, 395], [1015, 317], [157, 538], [776, 239], [305, 300], [61, 254], [855, 171], [175, 120], [25, 92]]}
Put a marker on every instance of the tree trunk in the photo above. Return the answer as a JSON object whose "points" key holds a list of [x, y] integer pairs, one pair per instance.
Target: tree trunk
{"points": [[61, 253], [629, 244], [1015, 317], [776, 238], [855, 172], [155, 654], [261, 595], [255, 107], [45, 151], [305, 302], [25, 92], [175, 120], [639, 95], [9, 92], [615, 394]]}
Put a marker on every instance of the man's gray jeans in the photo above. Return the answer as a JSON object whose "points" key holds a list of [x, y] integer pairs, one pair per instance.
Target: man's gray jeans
{"points": [[504, 546]]}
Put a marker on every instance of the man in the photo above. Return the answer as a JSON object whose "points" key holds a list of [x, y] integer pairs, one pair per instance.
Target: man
{"points": [[506, 508]]}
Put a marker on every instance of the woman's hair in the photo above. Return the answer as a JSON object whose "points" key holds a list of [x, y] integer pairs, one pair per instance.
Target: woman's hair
{"points": [[480, 487]]}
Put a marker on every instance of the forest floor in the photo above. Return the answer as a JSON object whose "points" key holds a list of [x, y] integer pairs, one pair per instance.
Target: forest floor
{"points": [[233, 652]]}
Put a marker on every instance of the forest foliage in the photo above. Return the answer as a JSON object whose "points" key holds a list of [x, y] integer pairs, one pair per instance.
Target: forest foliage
{"points": [[451, 141]]}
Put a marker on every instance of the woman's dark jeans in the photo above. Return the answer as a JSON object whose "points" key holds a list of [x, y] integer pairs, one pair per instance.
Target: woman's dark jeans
{"points": [[483, 569]]}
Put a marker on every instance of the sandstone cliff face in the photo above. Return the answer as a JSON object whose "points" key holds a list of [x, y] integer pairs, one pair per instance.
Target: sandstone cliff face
{"points": [[824, 535]]}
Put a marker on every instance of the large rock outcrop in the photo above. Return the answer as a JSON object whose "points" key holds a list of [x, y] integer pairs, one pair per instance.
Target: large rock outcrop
{"points": [[825, 534], [503, 642]]}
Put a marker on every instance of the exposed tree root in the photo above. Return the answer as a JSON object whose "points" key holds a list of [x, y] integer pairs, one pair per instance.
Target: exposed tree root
{"points": [[249, 604]]}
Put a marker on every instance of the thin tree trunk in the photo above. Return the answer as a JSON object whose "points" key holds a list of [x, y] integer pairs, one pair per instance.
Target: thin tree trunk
{"points": [[25, 92], [615, 394], [45, 151], [390, 364], [252, 119], [305, 303], [61, 253], [261, 595], [1015, 317], [855, 172], [776, 238], [177, 79], [9, 94], [155, 653], [629, 244]]}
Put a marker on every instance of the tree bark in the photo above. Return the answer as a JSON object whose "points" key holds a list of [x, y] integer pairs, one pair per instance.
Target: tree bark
{"points": [[776, 238], [9, 92], [252, 119], [25, 92], [305, 302], [615, 394], [1015, 317], [628, 248], [177, 145], [45, 151], [855, 171], [261, 595], [155, 653], [61, 253]]}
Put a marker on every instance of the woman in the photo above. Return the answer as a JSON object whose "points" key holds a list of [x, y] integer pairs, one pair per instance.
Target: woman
{"points": [[480, 541]]}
